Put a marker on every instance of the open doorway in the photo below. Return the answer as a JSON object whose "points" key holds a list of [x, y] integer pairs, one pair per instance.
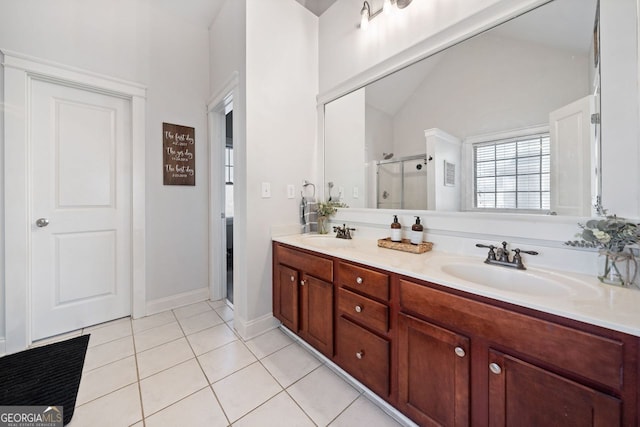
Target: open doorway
{"points": [[228, 197]]}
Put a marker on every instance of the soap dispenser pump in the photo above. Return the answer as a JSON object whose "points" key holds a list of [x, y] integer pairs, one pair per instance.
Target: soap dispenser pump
{"points": [[416, 232], [396, 230]]}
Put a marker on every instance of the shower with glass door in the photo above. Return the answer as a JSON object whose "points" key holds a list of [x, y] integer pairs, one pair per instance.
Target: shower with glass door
{"points": [[402, 183]]}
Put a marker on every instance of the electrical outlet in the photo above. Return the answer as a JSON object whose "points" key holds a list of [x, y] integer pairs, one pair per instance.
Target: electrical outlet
{"points": [[266, 190], [291, 191]]}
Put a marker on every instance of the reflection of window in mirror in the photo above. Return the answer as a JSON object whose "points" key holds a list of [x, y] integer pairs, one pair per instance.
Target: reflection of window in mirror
{"points": [[513, 173]]}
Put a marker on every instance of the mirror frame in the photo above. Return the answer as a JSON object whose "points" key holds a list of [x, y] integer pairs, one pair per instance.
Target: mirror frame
{"points": [[469, 27]]}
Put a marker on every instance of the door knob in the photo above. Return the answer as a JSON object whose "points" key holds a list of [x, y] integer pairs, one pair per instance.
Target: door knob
{"points": [[460, 352], [42, 222], [495, 368]]}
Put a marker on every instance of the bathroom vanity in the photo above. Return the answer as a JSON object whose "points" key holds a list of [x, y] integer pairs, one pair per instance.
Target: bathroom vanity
{"points": [[446, 351]]}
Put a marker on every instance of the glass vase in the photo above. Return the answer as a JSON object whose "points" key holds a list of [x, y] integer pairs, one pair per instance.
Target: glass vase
{"points": [[323, 224], [618, 268]]}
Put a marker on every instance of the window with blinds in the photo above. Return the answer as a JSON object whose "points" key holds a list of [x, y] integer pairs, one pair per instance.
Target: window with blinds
{"points": [[513, 173]]}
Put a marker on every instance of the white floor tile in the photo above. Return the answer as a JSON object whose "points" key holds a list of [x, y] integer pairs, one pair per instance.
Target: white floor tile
{"points": [[280, 411], [167, 387], [163, 357], [108, 352], [211, 338], [218, 303], [200, 322], [225, 312], [174, 390], [191, 310], [120, 408], [56, 338], [290, 364], [366, 413], [108, 378], [108, 333], [323, 395], [122, 320], [245, 390], [226, 360], [152, 321], [199, 409], [156, 336], [268, 343]]}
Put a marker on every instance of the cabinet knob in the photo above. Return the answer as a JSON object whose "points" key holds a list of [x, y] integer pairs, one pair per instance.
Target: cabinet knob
{"points": [[293, 279], [495, 368], [360, 354], [359, 280], [358, 308], [460, 352], [303, 282]]}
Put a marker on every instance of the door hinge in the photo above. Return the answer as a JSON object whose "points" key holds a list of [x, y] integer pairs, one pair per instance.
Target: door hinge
{"points": [[595, 119]]}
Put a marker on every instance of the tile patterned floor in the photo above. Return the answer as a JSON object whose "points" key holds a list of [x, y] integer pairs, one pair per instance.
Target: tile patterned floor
{"points": [[186, 367]]}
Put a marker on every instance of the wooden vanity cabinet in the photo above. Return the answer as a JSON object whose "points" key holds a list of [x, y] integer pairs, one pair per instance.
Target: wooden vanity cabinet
{"points": [[525, 370], [444, 357], [303, 295]]}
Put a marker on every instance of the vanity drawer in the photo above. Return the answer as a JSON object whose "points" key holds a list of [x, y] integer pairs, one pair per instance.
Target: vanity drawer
{"points": [[589, 355], [366, 311], [316, 266], [364, 355], [364, 280]]}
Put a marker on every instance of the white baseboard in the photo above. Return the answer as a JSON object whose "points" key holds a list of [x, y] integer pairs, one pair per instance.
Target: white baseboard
{"points": [[253, 328], [178, 300]]}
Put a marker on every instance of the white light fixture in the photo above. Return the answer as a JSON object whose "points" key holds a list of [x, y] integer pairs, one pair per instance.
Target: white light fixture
{"points": [[365, 15], [388, 6]]}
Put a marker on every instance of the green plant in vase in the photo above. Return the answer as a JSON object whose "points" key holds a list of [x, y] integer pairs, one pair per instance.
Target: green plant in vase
{"points": [[325, 210], [612, 236]]}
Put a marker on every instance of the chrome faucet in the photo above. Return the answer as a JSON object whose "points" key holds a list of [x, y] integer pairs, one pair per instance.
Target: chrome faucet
{"points": [[500, 256], [343, 232]]}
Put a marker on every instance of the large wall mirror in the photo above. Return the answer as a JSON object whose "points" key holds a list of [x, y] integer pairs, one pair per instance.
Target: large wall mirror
{"points": [[504, 121]]}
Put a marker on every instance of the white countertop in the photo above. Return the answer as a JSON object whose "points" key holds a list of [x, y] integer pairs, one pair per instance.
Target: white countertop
{"points": [[583, 297]]}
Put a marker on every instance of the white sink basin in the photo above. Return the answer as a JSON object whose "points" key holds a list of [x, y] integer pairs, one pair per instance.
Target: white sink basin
{"points": [[527, 282], [326, 241]]}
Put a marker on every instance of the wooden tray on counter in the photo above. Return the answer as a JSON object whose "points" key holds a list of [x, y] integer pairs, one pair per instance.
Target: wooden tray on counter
{"points": [[405, 246]]}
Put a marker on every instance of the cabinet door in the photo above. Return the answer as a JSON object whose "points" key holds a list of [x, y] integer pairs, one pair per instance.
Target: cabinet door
{"points": [[433, 373], [285, 301], [525, 395], [316, 322]]}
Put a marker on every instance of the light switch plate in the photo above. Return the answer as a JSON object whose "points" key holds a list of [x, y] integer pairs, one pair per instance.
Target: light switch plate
{"points": [[266, 190], [291, 191], [356, 193]]}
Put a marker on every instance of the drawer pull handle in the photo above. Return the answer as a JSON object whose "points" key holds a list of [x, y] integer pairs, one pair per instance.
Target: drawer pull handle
{"points": [[358, 309], [303, 282], [293, 279], [460, 352], [360, 354], [495, 368], [359, 280]]}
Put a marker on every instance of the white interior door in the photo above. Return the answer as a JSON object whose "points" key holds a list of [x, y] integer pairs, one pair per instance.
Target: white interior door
{"points": [[80, 185], [572, 144]]}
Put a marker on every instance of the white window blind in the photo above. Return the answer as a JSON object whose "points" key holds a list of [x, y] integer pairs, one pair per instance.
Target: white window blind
{"points": [[513, 173]]}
